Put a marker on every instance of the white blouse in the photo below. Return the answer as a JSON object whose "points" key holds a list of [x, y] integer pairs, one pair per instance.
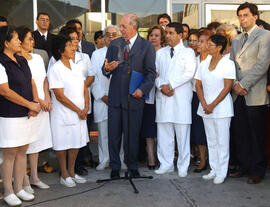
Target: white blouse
{"points": [[213, 84]]}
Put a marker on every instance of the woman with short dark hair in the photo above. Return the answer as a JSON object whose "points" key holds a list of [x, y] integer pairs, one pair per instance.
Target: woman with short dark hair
{"points": [[19, 102], [41, 124], [214, 79], [156, 35], [70, 107]]}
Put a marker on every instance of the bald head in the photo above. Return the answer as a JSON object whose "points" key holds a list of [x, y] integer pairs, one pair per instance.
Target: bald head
{"points": [[129, 25]]}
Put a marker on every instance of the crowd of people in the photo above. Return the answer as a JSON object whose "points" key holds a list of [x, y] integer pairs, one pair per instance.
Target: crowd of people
{"points": [[193, 94]]}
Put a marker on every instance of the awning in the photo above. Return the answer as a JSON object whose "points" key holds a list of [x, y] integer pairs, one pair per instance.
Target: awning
{"points": [[141, 8]]}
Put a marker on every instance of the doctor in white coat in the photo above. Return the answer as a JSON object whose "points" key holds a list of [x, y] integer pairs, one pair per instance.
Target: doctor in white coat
{"points": [[100, 89], [176, 66]]}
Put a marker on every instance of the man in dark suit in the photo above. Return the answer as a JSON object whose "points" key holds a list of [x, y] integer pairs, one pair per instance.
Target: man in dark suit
{"points": [[84, 46], [251, 53], [43, 38], [128, 53]]}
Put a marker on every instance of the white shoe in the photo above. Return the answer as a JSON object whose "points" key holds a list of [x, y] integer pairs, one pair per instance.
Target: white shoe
{"points": [[23, 195], [209, 176], [218, 180], [40, 185], [182, 174], [163, 171], [28, 189], [102, 166], [68, 182], [12, 200], [79, 179], [123, 166]]}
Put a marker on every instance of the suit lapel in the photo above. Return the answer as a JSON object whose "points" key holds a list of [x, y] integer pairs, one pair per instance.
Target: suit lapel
{"points": [[135, 46], [250, 40]]}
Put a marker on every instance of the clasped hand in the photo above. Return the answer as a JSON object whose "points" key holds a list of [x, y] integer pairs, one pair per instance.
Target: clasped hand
{"points": [[34, 109], [83, 113], [165, 89], [238, 90], [208, 108]]}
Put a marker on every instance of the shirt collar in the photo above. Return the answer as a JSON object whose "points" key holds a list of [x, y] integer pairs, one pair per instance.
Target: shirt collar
{"points": [[178, 47], [132, 40], [45, 34], [251, 30]]}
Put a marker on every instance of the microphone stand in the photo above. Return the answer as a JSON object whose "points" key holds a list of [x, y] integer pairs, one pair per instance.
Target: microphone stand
{"points": [[128, 174]]}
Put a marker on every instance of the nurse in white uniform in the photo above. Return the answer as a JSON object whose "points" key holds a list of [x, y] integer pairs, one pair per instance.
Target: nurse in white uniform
{"points": [[70, 105], [214, 80], [41, 123]]}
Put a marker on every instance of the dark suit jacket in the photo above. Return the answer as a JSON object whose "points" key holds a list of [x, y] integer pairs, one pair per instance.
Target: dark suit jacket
{"points": [[142, 59], [40, 43], [88, 48]]}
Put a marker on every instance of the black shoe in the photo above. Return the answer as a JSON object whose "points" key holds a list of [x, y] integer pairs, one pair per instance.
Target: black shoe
{"points": [[81, 171], [134, 173], [199, 170], [151, 167], [115, 174]]}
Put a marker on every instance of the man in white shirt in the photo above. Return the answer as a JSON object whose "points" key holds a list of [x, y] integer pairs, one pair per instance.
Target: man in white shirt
{"points": [[176, 66]]}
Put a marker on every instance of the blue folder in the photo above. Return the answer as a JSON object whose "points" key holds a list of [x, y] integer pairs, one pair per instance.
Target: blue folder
{"points": [[136, 80]]}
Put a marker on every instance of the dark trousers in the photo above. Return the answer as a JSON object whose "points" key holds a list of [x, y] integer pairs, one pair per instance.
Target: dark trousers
{"points": [[248, 137], [118, 125]]}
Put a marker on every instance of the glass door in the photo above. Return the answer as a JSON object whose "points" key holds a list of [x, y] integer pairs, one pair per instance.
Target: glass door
{"points": [[186, 13]]}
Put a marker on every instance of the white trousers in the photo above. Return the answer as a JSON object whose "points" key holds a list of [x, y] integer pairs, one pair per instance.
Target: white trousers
{"points": [[103, 148], [166, 146], [218, 140]]}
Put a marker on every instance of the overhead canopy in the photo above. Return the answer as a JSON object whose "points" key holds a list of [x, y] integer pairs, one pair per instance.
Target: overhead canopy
{"points": [[141, 8], [21, 12]]}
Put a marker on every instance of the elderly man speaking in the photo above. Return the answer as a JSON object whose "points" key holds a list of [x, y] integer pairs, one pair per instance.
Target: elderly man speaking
{"points": [[135, 54]]}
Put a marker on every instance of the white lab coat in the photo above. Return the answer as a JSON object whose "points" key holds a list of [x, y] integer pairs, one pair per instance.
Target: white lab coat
{"points": [[178, 72], [100, 87]]}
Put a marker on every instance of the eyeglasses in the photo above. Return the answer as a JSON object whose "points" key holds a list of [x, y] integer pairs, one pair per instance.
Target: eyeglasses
{"points": [[113, 34]]}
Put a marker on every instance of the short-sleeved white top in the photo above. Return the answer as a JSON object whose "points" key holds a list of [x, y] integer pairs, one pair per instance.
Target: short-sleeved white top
{"points": [[3, 75], [213, 84]]}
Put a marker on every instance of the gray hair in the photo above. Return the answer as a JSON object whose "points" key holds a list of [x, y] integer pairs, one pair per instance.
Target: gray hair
{"points": [[228, 31], [112, 26], [134, 20]]}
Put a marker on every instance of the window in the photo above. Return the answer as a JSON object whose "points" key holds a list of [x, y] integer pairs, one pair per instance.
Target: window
{"points": [[186, 13]]}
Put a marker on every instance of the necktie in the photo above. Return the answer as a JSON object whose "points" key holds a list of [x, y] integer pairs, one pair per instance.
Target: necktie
{"points": [[43, 37], [172, 51], [245, 39], [126, 50]]}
